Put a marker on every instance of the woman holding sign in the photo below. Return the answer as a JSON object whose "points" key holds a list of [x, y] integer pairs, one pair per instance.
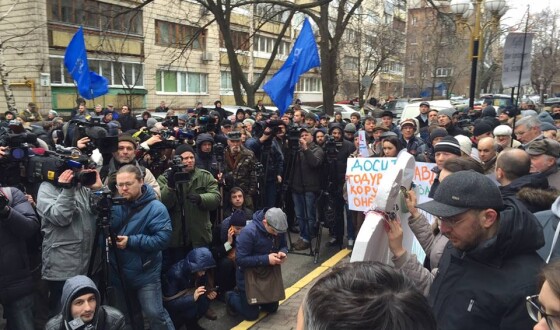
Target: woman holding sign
{"points": [[391, 145]]}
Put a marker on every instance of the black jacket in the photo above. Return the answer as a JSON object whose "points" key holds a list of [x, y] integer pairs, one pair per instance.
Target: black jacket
{"points": [[485, 288], [19, 224], [127, 122], [532, 190]]}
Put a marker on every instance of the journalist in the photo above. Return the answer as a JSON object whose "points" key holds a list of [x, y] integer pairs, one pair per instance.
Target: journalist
{"points": [[68, 228]]}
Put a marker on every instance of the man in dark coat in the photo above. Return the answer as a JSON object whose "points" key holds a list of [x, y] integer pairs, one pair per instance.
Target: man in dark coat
{"points": [[490, 263]]}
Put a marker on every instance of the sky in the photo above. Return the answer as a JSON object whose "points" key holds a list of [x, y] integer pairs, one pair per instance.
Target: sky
{"points": [[518, 8]]}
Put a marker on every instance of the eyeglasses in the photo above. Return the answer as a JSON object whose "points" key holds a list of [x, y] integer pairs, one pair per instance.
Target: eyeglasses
{"points": [[125, 184], [537, 313], [453, 221]]}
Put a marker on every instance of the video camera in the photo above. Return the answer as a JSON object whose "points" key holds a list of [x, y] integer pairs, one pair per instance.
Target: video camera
{"points": [[104, 200], [171, 121], [49, 167], [17, 140], [96, 130], [206, 124], [293, 134], [219, 150], [331, 147]]}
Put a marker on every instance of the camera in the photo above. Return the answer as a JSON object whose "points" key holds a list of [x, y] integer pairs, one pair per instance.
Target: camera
{"points": [[96, 131], [331, 147], [219, 150], [52, 164], [19, 143], [293, 134], [206, 124], [171, 121], [104, 200]]}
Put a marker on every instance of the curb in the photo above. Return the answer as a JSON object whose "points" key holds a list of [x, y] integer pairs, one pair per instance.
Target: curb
{"points": [[331, 262]]}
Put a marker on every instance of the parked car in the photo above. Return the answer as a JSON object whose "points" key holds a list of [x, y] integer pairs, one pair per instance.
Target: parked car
{"points": [[551, 101], [345, 109], [498, 100], [412, 110], [396, 106], [159, 116]]}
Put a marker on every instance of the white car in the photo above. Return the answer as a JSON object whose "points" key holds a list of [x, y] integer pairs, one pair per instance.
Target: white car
{"points": [[345, 109], [413, 109]]}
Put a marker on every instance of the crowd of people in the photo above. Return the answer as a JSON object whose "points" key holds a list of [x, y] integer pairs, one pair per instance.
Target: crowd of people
{"points": [[185, 206]]}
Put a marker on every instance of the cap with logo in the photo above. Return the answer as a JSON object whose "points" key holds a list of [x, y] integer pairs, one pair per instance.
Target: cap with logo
{"points": [[463, 191]]}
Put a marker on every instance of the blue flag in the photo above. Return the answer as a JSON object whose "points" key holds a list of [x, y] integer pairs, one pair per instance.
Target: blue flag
{"points": [[90, 84], [303, 57]]}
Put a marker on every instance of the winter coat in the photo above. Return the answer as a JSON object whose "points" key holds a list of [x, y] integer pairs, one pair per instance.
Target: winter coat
{"points": [[306, 176], [486, 287], [128, 122], [106, 317], [274, 162], [182, 276], [68, 228], [344, 151], [254, 244], [19, 224], [148, 231], [242, 171], [416, 147], [197, 217], [206, 160], [549, 221], [532, 190]]}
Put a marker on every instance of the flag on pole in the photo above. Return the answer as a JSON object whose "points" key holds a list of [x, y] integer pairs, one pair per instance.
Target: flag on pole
{"points": [[303, 57], [90, 84]]}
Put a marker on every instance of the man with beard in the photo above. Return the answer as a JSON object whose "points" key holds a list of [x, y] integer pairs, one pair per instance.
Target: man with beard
{"points": [[240, 167]]}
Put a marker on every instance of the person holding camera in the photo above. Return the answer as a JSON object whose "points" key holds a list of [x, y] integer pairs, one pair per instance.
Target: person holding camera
{"points": [[189, 193], [19, 223], [187, 292], [82, 310], [143, 230], [68, 228]]}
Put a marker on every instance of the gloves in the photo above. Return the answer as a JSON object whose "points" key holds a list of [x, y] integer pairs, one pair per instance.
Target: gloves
{"points": [[194, 198], [171, 179]]}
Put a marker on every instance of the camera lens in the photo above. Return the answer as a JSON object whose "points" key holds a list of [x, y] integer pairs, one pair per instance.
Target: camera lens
{"points": [[86, 178]]}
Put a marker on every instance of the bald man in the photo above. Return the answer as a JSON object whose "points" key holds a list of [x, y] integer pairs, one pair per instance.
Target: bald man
{"points": [[487, 152]]}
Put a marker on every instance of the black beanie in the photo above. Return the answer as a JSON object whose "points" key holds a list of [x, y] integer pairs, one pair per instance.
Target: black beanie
{"points": [[183, 148], [448, 144], [238, 218]]}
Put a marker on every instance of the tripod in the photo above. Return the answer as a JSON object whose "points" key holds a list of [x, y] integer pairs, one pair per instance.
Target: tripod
{"points": [[103, 232]]}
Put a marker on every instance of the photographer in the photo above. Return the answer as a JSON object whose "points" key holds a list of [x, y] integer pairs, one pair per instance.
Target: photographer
{"points": [[18, 223], [68, 227], [269, 153], [125, 155], [337, 151], [305, 185], [189, 193]]}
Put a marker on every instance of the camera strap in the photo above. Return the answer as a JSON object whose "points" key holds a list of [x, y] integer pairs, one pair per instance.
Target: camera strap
{"points": [[133, 211]]}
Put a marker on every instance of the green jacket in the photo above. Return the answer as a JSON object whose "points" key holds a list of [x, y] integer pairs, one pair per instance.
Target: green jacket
{"points": [[197, 217]]}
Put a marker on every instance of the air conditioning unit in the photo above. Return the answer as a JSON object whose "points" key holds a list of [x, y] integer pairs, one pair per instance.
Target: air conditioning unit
{"points": [[206, 56]]}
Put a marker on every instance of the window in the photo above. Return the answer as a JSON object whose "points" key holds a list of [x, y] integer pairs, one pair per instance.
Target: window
{"points": [[351, 63], [96, 15], [443, 72], [240, 40], [266, 44], [271, 12], [118, 74], [225, 81], [309, 85], [181, 82], [179, 35]]}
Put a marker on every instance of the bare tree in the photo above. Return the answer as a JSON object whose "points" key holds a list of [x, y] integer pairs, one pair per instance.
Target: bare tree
{"points": [[4, 71], [546, 50]]}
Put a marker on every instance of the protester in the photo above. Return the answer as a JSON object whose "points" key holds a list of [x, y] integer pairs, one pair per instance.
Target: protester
{"points": [[543, 308]]}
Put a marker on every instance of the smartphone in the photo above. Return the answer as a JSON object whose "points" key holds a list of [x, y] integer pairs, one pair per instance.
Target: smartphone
{"points": [[213, 289]]}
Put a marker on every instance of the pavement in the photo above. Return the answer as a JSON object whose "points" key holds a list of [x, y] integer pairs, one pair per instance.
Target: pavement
{"points": [[286, 316]]}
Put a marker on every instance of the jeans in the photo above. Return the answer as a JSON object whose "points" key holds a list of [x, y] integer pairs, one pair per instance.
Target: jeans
{"points": [[304, 205], [238, 302], [19, 313], [183, 310], [149, 301]]}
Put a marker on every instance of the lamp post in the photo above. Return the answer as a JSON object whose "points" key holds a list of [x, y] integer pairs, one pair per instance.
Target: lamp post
{"points": [[546, 52], [462, 10]]}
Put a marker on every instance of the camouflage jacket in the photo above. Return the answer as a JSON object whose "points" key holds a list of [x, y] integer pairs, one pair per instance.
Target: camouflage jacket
{"points": [[241, 171]]}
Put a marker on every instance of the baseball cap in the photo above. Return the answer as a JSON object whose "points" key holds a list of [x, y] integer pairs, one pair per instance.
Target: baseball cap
{"points": [[226, 122], [425, 103], [544, 146], [276, 218], [463, 191], [388, 113], [234, 136]]}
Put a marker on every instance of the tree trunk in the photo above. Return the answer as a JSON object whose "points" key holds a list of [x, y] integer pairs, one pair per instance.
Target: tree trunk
{"points": [[8, 93]]}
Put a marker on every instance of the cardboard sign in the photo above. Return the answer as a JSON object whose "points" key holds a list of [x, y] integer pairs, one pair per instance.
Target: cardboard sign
{"points": [[363, 144]]}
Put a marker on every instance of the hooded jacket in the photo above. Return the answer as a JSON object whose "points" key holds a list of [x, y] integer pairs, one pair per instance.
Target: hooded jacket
{"points": [[182, 276], [19, 224], [197, 217], [206, 160], [106, 317], [549, 221], [532, 190], [148, 231], [254, 244], [68, 228], [486, 287]]}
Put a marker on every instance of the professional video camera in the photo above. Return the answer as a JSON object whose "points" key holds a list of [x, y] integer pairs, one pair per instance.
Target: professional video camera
{"points": [[219, 150], [171, 121], [104, 200], [18, 141], [49, 167], [331, 147], [206, 124], [177, 170], [293, 134], [96, 130]]}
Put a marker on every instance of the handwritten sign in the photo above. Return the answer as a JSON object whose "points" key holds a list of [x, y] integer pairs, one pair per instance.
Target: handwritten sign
{"points": [[364, 176], [363, 144]]}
